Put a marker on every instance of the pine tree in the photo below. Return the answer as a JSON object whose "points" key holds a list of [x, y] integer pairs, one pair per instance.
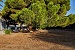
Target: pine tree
{"points": [[45, 13]]}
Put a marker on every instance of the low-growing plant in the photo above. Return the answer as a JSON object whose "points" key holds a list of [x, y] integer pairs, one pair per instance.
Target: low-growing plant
{"points": [[7, 31]]}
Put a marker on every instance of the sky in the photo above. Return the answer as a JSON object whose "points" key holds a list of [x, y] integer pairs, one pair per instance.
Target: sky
{"points": [[71, 11], [1, 4]]}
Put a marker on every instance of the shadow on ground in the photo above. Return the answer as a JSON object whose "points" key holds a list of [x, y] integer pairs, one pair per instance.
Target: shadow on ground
{"points": [[61, 37]]}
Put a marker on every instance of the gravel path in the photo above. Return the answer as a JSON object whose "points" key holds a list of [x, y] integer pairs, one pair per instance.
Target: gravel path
{"points": [[59, 40]]}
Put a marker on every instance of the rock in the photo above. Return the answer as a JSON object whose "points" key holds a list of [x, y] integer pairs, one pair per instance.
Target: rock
{"points": [[31, 31], [2, 33]]}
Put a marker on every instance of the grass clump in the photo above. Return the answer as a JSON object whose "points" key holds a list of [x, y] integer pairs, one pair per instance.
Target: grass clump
{"points": [[7, 31]]}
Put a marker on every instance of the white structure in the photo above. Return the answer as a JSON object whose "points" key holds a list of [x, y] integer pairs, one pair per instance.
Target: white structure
{"points": [[2, 26]]}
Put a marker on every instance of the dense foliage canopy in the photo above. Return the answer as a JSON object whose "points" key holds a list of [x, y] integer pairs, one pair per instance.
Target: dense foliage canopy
{"points": [[39, 13]]}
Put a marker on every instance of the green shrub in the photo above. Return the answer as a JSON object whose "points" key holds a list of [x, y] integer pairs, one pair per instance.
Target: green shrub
{"points": [[7, 31]]}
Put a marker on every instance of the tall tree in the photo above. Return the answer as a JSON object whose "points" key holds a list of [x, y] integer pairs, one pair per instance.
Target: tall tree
{"points": [[47, 13], [40, 14]]}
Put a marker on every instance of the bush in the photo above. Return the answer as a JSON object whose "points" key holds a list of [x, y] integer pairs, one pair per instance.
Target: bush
{"points": [[7, 31]]}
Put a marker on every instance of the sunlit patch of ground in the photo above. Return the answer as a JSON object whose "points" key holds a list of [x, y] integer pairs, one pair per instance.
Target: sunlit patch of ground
{"points": [[39, 40]]}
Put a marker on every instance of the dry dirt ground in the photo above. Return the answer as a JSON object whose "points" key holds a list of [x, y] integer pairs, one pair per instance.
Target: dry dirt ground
{"points": [[39, 40]]}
